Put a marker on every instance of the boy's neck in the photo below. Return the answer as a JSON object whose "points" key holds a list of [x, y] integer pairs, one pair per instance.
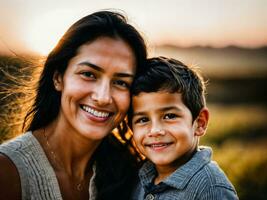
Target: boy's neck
{"points": [[166, 170]]}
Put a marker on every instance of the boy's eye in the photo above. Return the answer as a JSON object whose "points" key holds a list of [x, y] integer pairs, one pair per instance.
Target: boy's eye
{"points": [[121, 83], [88, 75], [170, 116], [141, 120]]}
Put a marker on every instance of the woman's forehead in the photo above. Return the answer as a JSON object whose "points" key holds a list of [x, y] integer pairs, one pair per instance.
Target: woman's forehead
{"points": [[106, 53]]}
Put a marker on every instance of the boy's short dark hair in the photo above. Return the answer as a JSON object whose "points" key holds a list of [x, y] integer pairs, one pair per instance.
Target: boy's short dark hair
{"points": [[170, 75]]}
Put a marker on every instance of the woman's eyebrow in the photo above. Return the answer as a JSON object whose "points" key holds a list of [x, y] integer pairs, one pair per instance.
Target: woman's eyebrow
{"points": [[97, 68]]}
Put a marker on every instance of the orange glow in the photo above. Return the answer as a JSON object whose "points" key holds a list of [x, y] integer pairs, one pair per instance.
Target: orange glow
{"points": [[45, 30]]}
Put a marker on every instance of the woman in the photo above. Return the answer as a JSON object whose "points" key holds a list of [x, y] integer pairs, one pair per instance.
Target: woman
{"points": [[83, 94]]}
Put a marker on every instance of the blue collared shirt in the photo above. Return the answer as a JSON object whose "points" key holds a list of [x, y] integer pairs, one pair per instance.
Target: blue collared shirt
{"points": [[199, 178]]}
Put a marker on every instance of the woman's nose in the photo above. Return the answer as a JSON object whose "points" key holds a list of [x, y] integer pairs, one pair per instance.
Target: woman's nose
{"points": [[102, 93]]}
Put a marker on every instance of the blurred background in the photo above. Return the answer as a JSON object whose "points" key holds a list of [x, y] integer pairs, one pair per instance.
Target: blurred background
{"points": [[225, 39]]}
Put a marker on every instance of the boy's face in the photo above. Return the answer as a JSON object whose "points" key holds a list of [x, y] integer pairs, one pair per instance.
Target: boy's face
{"points": [[163, 128]]}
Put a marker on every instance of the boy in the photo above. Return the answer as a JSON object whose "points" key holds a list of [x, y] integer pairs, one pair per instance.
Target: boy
{"points": [[167, 116]]}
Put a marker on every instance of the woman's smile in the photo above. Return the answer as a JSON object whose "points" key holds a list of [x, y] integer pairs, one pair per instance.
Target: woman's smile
{"points": [[95, 93], [96, 115]]}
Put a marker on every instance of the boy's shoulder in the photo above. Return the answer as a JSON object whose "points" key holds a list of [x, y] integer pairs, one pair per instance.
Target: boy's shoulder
{"points": [[212, 175], [210, 178], [198, 167], [199, 172], [199, 178], [205, 170]]}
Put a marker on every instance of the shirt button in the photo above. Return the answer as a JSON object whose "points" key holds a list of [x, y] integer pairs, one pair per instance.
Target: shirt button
{"points": [[149, 197]]}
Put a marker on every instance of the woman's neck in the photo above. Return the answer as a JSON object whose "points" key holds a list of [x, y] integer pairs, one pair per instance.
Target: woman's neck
{"points": [[68, 150]]}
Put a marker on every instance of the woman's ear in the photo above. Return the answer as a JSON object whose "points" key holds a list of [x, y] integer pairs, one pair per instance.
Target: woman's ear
{"points": [[58, 81], [202, 122]]}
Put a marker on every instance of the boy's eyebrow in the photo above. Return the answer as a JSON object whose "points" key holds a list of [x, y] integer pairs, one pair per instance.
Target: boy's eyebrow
{"points": [[138, 113], [97, 68], [161, 109], [170, 108]]}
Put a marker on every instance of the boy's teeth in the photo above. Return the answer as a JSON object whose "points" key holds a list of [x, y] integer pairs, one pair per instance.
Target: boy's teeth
{"points": [[94, 112], [158, 145]]}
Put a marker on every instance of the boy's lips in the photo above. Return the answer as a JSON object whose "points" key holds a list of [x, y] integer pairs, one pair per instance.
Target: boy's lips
{"points": [[95, 112], [158, 145]]}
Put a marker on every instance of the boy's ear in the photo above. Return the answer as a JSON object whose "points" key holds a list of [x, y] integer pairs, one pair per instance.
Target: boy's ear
{"points": [[58, 81], [202, 122]]}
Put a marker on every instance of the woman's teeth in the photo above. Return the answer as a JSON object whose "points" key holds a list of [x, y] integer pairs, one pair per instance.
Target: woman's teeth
{"points": [[95, 112]]}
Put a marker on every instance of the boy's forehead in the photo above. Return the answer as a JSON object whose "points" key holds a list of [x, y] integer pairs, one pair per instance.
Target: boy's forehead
{"points": [[144, 102]]}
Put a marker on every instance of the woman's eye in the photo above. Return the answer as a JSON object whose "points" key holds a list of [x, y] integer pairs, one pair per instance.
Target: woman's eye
{"points": [[170, 116], [88, 75], [141, 120], [121, 83]]}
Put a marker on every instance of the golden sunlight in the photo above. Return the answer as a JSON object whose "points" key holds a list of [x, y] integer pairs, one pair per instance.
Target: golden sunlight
{"points": [[44, 31]]}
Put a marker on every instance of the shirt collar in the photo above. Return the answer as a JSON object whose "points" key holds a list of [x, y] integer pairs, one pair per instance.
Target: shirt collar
{"points": [[179, 178]]}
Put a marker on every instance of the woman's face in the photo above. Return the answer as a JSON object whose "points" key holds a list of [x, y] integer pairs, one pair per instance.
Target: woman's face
{"points": [[95, 87]]}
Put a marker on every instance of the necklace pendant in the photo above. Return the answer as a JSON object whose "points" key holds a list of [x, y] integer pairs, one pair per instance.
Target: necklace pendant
{"points": [[79, 187]]}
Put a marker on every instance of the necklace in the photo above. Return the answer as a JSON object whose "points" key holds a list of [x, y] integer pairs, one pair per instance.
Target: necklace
{"points": [[79, 185]]}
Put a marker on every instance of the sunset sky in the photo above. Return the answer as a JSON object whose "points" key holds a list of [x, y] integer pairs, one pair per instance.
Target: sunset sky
{"points": [[37, 25]]}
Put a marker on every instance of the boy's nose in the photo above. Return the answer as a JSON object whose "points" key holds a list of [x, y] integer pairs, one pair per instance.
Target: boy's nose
{"points": [[155, 132], [102, 94]]}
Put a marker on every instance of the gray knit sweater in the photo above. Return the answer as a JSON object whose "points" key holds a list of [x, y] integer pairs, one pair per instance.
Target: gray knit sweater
{"points": [[38, 179]]}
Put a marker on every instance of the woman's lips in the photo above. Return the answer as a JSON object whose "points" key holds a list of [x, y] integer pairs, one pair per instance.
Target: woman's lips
{"points": [[96, 115]]}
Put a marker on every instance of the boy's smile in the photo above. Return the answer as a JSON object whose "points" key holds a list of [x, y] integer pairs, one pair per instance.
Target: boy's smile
{"points": [[163, 128]]}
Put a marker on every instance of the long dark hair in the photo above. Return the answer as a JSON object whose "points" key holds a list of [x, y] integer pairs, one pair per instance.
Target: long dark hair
{"points": [[116, 166]]}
